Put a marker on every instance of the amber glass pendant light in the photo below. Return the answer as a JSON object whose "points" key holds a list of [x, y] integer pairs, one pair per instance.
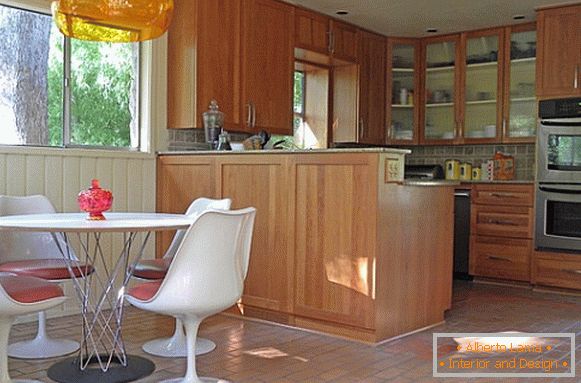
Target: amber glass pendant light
{"points": [[119, 21]]}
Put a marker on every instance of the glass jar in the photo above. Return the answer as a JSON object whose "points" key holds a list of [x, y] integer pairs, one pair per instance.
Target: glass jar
{"points": [[213, 124]]}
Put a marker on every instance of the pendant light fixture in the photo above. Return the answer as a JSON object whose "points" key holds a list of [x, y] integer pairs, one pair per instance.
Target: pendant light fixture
{"points": [[119, 21]]}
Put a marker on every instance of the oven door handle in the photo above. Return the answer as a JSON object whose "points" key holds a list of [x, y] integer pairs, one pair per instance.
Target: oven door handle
{"points": [[561, 190], [574, 121]]}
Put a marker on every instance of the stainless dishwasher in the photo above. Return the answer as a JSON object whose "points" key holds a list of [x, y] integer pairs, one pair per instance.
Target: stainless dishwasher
{"points": [[461, 233]]}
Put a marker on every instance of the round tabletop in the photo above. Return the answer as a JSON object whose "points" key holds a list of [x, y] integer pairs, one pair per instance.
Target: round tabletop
{"points": [[78, 222]]}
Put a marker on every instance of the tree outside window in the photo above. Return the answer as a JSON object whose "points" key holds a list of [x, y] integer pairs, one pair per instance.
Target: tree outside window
{"points": [[61, 92]]}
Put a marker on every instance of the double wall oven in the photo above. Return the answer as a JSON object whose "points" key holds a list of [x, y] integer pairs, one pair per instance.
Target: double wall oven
{"points": [[558, 183]]}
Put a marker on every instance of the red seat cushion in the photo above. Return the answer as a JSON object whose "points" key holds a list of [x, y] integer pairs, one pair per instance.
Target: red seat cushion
{"points": [[144, 291], [151, 268], [25, 289], [51, 269]]}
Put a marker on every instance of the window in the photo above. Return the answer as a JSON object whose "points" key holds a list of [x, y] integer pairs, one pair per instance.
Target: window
{"points": [[299, 99], [62, 92]]}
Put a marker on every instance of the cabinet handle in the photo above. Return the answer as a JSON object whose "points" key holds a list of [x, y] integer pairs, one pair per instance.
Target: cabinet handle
{"points": [[361, 128], [249, 115], [576, 81], [330, 43], [502, 222], [253, 115], [575, 272], [503, 195], [497, 258], [504, 125]]}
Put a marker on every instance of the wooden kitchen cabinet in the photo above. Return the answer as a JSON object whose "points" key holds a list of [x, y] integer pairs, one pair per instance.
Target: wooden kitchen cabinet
{"points": [[559, 52], [344, 41], [402, 98], [267, 66], [312, 31], [372, 89], [204, 62], [329, 249], [260, 182], [501, 231], [557, 270]]}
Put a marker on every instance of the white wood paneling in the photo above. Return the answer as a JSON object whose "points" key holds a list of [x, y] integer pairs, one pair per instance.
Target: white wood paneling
{"points": [[61, 174]]}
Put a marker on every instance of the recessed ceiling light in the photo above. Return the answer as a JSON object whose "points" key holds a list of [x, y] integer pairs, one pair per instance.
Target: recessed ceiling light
{"points": [[342, 12], [432, 30], [518, 17]]}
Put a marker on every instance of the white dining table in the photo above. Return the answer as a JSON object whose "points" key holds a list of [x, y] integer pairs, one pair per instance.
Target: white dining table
{"points": [[102, 356]]}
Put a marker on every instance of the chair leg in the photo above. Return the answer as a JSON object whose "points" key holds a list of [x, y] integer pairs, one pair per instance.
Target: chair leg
{"points": [[5, 324], [42, 346], [176, 346]]}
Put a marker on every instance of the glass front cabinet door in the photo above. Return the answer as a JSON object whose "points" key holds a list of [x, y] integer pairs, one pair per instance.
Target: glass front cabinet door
{"points": [[402, 95], [482, 107], [440, 117], [520, 108]]}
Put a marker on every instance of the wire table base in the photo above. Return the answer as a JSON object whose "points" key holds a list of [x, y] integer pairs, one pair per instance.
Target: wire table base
{"points": [[101, 293]]}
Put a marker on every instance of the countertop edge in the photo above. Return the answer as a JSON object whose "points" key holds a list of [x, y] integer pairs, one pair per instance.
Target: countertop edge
{"points": [[307, 151], [423, 183]]}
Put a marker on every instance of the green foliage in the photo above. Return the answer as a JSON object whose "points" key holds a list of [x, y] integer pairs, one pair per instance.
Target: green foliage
{"points": [[102, 76]]}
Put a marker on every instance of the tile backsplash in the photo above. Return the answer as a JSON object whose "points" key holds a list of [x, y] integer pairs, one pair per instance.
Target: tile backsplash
{"points": [[195, 139], [524, 155]]}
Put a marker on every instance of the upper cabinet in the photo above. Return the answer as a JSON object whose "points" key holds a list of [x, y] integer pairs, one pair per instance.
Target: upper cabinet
{"points": [[372, 89], [402, 95], [559, 52], [247, 68], [441, 114], [481, 109], [344, 41], [479, 87], [267, 66], [312, 31], [520, 104], [204, 62]]}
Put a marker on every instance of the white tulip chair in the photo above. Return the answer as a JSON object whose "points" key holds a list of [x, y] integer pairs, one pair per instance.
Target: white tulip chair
{"points": [[21, 295], [205, 277], [37, 255], [154, 269]]}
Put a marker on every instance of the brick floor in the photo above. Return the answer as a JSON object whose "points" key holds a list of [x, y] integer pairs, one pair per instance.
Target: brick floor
{"points": [[255, 352]]}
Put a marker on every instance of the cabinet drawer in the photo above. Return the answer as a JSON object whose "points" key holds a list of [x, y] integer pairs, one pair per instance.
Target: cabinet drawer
{"points": [[506, 195], [502, 221], [558, 272], [500, 257]]}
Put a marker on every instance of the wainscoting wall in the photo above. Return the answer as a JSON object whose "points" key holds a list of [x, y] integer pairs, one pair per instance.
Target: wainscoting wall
{"points": [[61, 174]]}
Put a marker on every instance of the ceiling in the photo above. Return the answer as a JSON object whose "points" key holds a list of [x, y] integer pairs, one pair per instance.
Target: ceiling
{"points": [[411, 18]]}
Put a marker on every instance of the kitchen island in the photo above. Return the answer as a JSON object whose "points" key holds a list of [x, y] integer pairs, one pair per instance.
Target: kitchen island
{"points": [[341, 244]]}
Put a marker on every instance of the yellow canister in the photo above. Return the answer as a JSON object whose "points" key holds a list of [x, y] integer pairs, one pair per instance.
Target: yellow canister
{"points": [[476, 174], [452, 169], [465, 171]]}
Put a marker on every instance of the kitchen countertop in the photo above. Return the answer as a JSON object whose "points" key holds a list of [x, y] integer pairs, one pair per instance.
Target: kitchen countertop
{"points": [[524, 182], [430, 183], [278, 151]]}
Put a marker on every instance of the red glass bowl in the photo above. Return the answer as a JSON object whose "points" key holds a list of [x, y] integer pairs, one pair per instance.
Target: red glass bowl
{"points": [[95, 201]]}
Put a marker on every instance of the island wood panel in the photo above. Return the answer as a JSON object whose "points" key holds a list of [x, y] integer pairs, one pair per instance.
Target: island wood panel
{"points": [[180, 180], [334, 238], [414, 260], [261, 181]]}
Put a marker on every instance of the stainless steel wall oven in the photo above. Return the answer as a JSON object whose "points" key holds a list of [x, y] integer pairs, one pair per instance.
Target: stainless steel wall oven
{"points": [[558, 194]]}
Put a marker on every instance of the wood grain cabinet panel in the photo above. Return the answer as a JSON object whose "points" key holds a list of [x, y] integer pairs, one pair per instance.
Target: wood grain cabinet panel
{"points": [[501, 257], [267, 66], [335, 255], [559, 52], [372, 89], [179, 182], [557, 270], [204, 62], [501, 225], [344, 41], [312, 31], [262, 184]]}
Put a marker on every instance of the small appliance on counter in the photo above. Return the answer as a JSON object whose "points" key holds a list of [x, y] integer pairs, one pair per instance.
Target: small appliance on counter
{"points": [[213, 124], [465, 171], [424, 172], [452, 169]]}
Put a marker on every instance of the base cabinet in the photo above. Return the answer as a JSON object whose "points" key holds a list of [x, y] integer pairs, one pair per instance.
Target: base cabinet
{"points": [[330, 250], [557, 270]]}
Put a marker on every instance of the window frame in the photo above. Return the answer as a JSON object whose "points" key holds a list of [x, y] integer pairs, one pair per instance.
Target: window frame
{"points": [[149, 55]]}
